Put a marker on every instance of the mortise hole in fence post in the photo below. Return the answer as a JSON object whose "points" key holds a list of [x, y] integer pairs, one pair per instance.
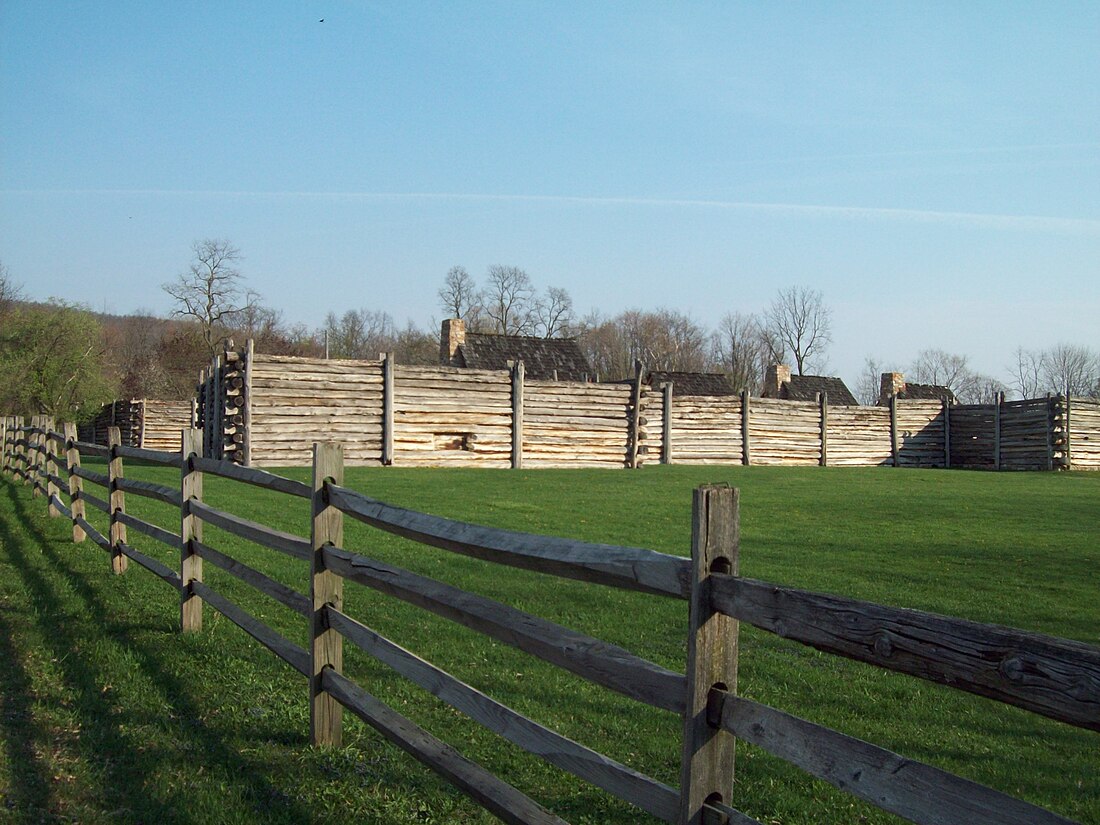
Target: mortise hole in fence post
{"points": [[326, 588], [706, 767], [190, 532], [76, 483], [117, 500]]}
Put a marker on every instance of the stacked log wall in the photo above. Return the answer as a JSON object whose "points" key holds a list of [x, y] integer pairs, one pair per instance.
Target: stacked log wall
{"points": [[573, 424], [920, 433], [1025, 434], [707, 429], [972, 436], [785, 432], [445, 416], [859, 436], [297, 401], [162, 423], [1084, 433]]}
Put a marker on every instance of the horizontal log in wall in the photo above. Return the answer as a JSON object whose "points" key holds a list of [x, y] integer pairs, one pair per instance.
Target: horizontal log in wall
{"points": [[706, 430], [1084, 433], [571, 424], [859, 436], [785, 432]]}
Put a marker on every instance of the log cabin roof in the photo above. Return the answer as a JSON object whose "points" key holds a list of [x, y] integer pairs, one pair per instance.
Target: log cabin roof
{"points": [[808, 387], [692, 383], [931, 392], [543, 358]]}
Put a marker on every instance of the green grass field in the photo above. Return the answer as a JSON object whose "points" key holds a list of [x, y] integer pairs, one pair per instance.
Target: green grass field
{"points": [[108, 714]]}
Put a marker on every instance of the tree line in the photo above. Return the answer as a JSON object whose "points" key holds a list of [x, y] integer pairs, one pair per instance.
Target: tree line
{"points": [[62, 359]]}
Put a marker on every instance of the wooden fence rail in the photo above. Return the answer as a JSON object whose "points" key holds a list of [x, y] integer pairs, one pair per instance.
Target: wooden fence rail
{"points": [[1053, 677]]}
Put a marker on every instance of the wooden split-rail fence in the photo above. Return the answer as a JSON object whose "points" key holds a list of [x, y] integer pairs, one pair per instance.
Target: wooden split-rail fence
{"points": [[1053, 677]]}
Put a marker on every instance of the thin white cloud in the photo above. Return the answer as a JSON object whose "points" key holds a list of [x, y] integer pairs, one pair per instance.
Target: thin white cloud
{"points": [[982, 220]]}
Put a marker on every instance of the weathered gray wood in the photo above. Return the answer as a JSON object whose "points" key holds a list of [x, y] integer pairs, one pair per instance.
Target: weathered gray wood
{"points": [[387, 409], [166, 537], [326, 589], [190, 530], [746, 456], [625, 567], [250, 475], [100, 504], [117, 501], [666, 423], [491, 793], [292, 654], [1053, 677], [298, 602], [997, 431], [894, 428], [1068, 426], [824, 401], [87, 447], [591, 766], [94, 534], [49, 469], [1050, 432], [946, 434], [635, 413], [152, 456], [920, 793], [61, 507], [599, 662], [148, 489], [288, 543], [96, 478], [157, 568], [517, 416], [706, 765], [246, 412]]}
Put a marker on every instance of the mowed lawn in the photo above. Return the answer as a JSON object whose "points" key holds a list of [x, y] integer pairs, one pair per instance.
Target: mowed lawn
{"points": [[108, 714]]}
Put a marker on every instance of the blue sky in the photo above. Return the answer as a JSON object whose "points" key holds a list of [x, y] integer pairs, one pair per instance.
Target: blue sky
{"points": [[932, 168]]}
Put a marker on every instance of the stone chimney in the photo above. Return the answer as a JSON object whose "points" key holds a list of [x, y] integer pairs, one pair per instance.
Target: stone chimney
{"points": [[451, 337], [774, 378], [891, 384]]}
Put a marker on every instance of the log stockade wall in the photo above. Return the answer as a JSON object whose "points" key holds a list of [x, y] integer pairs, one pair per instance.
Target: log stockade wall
{"points": [[1053, 677], [147, 423], [268, 410]]}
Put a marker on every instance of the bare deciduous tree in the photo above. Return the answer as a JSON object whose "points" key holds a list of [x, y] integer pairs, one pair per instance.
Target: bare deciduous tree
{"points": [[458, 295], [211, 291], [797, 321], [10, 291], [554, 313], [508, 300], [740, 350], [1071, 369], [945, 369], [1027, 373], [870, 382]]}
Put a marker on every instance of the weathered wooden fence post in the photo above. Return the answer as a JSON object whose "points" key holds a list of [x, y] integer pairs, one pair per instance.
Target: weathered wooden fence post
{"points": [[666, 423], [327, 588], [706, 766], [387, 409], [246, 410], [946, 434], [636, 414], [517, 415], [53, 494], [997, 430], [190, 531], [746, 456], [117, 500], [894, 427], [1050, 432], [31, 463], [823, 400], [76, 483], [1069, 446], [3, 443]]}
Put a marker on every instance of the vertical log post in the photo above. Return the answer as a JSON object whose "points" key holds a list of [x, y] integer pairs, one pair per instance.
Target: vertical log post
{"points": [[666, 424], [636, 414], [1068, 423], [327, 647], [21, 448], [117, 502], [35, 466], [946, 434], [706, 767], [823, 400], [517, 415], [190, 531], [894, 427], [387, 409], [746, 456], [1050, 432], [76, 483], [3, 443], [246, 410], [53, 494], [997, 431]]}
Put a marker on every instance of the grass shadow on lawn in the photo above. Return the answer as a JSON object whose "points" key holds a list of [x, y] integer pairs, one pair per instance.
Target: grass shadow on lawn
{"points": [[67, 604]]}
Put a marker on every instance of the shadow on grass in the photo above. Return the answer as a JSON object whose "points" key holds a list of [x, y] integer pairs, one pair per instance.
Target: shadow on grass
{"points": [[122, 776]]}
